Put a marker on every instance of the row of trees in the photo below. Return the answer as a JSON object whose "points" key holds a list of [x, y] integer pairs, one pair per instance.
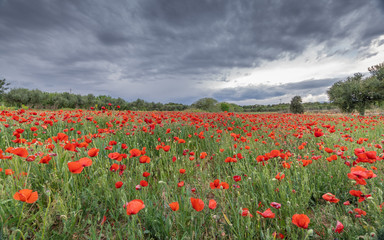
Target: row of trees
{"points": [[359, 93], [44, 100], [38, 99], [285, 107]]}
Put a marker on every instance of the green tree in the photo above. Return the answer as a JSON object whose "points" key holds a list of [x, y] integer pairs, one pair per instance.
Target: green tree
{"points": [[17, 97], [358, 93], [352, 94], [36, 98], [374, 84], [296, 105], [377, 71], [206, 104], [3, 87], [224, 106]]}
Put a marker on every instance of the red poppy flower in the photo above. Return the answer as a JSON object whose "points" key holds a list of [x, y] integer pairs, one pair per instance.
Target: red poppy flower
{"points": [[143, 183], [280, 177], [134, 153], [330, 198], [26, 195], [267, 213], [166, 148], [134, 206], [45, 159], [78, 166], [118, 184], [212, 204], [93, 152], [21, 152], [114, 167], [328, 150], [318, 134], [339, 227], [197, 204], [237, 178], [174, 206], [286, 164], [144, 159], [230, 159], [275, 205], [355, 193], [116, 156], [359, 174], [246, 213], [203, 155], [301, 220], [360, 212], [217, 184], [70, 147], [4, 157]]}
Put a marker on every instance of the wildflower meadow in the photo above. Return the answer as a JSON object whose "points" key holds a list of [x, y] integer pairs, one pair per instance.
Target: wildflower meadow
{"points": [[109, 174]]}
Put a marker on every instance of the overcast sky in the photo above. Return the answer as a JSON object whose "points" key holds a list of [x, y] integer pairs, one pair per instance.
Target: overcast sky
{"points": [[245, 52]]}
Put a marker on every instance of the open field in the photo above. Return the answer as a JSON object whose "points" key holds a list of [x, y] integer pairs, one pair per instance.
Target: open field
{"points": [[178, 175]]}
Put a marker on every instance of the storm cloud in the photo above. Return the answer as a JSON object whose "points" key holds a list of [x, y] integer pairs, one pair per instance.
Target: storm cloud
{"points": [[178, 50], [286, 91]]}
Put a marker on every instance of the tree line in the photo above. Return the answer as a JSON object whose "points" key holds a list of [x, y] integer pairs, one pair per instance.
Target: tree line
{"points": [[38, 99], [22, 97]]}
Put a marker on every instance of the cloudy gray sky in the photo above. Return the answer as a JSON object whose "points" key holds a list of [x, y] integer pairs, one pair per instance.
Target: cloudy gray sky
{"points": [[246, 52]]}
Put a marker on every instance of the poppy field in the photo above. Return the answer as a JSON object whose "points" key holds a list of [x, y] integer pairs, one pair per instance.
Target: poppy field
{"points": [[108, 174]]}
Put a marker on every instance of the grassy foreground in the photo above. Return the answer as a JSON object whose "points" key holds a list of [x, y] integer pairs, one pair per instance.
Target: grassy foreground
{"points": [[177, 175]]}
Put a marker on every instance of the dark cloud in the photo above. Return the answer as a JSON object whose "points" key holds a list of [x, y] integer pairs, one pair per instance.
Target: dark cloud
{"points": [[263, 91], [310, 84], [127, 48], [112, 38], [381, 4]]}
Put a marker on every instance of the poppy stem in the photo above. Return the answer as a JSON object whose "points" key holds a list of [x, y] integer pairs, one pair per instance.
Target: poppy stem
{"points": [[26, 179], [101, 231], [45, 216], [21, 214]]}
